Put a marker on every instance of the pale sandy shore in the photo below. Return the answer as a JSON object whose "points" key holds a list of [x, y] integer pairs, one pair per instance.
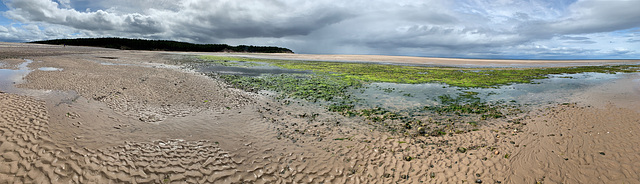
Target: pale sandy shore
{"points": [[110, 116], [428, 60]]}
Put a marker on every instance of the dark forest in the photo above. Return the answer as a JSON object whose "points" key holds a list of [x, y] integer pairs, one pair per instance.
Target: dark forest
{"points": [[162, 45]]}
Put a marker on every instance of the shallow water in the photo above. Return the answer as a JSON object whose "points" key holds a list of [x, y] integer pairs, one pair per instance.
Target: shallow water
{"points": [[113, 64], [245, 70], [49, 69], [555, 89], [10, 77], [558, 88]]}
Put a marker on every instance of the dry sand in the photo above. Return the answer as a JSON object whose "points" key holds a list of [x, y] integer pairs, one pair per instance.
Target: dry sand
{"points": [[129, 117]]}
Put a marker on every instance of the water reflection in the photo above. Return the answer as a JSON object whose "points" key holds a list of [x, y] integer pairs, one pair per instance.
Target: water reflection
{"points": [[255, 70], [557, 88], [10, 77], [49, 69]]}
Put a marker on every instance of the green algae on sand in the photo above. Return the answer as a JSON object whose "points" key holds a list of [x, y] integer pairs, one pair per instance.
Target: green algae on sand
{"points": [[453, 76], [331, 83]]}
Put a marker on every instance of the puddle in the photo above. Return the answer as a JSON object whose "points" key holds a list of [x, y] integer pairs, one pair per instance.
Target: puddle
{"points": [[49, 69], [114, 64], [245, 71], [10, 77], [111, 64]]}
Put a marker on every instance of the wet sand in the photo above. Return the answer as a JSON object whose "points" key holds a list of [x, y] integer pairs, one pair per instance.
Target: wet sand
{"points": [[115, 116]]}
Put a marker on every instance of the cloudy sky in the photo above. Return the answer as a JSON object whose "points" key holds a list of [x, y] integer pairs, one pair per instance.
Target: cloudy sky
{"points": [[532, 29]]}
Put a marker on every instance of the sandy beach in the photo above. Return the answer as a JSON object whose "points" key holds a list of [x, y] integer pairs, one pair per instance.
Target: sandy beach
{"points": [[94, 115], [410, 60]]}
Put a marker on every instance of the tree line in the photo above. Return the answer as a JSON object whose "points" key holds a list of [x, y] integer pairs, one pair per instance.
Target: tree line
{"points": [[162, 45]]}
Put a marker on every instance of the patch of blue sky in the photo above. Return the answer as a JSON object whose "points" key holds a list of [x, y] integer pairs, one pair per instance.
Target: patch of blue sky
{"points": [[626, 32], [84, 5], [4, 21], [3, 7]]}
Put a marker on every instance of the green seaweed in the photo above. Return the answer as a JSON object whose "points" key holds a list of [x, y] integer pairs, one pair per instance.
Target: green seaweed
{"points": [[230, 61], [303, 86], [453, 76], [467, 103], [340, 107], [332, 82]]}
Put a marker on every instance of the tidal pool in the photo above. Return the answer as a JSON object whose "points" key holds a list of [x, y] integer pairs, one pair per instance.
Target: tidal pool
{"points": [[239, 69], [49, 69], [10, 77], [517, 86], [555, 89]]}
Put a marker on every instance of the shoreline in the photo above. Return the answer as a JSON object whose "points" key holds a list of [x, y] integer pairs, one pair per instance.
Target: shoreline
{"points": [[412, 60]]}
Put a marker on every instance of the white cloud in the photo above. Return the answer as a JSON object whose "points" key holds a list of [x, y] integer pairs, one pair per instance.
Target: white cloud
{"points": [[35, 11], [620, 51], [458, 28]]}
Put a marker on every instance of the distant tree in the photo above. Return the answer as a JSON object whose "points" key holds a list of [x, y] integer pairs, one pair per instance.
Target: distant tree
{"points": [[162, 45]]}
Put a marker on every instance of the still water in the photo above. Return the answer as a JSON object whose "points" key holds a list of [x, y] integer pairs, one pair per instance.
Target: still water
{"points": [[557, 88]]}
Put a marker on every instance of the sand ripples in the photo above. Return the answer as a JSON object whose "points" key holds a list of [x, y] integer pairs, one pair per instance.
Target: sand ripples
{"points": [[29, 155], [212, 134]]}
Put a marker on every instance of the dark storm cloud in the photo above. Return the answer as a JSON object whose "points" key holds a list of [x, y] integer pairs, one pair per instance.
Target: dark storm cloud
{"points": [[197, 19], [589, 17], [232, 22]]}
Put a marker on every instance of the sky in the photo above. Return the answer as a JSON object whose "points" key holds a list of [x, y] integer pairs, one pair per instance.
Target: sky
{"points": [[499, 29]]}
